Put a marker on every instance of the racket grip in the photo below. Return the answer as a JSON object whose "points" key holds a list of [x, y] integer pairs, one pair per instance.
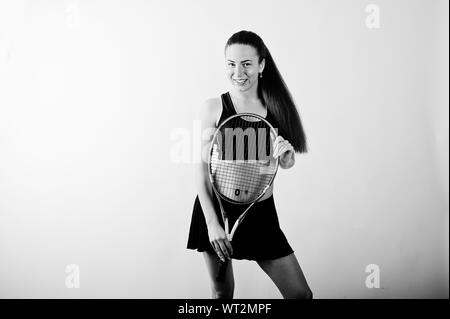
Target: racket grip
{"points": [[221, 272]]}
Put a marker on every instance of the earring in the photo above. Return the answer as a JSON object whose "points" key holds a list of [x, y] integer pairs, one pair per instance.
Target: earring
{"points": [[260, 75]]}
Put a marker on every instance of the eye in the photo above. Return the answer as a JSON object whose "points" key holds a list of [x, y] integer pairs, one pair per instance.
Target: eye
{"points": [[230, 64], [247, 64]]}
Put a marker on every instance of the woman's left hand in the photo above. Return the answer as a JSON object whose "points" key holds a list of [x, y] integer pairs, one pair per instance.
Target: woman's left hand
{"points": [[285, 151]]}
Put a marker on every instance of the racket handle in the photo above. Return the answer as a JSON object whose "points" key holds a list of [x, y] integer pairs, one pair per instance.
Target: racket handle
{"points": [[221, 272]]}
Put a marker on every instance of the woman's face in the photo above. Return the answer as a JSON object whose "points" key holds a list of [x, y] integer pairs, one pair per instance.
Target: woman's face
{"points": [[243, 67]]}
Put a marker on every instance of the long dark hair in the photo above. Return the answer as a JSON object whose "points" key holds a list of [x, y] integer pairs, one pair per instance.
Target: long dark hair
{"points": [[273, 92]]}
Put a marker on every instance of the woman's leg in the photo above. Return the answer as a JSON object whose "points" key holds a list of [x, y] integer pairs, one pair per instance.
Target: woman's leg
{"points": [[287, 275], [220, 290]]}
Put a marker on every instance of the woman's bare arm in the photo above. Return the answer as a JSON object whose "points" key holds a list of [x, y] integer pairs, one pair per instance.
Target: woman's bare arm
{"points": [[217, 237]]}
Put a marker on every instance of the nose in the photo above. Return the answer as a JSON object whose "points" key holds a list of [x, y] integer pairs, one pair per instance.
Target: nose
{"points": [[238, 70]]}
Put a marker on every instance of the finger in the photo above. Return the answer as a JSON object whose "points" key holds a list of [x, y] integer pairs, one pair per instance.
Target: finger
{"points": [[214, 245], [224, 250], [279, 149], [275, 154], [229, 247], [288, 151], [283, 149], [276, 150], [285, 146], [276, 141], [289, 145], [279, 139], [217, 250]]}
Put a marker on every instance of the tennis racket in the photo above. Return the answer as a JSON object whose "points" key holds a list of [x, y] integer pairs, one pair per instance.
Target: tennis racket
{"points": [[241, 166]]}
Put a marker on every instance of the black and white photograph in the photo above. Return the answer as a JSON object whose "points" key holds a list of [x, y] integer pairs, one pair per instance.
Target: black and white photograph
{"points": [[237, 150]]}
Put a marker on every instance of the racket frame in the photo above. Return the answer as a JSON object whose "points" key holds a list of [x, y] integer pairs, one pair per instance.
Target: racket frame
{"points": [[219, 196]]}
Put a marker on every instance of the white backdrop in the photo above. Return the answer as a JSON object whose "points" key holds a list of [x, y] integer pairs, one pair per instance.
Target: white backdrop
{"points": [[95, 96]]}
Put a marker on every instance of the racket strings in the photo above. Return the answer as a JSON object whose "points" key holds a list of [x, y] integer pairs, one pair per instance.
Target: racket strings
{"points": [[245, 138], [239, 172], [251, 179]]}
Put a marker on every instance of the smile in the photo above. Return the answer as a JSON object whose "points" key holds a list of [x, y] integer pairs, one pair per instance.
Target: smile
{"points": [[240, 82]]}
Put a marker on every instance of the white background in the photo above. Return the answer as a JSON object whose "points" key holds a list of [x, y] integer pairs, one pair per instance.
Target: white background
{"points": [[93, 93]]}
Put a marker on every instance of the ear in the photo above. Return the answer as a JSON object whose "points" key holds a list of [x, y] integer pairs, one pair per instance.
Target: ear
{"points": [[262, 65]]}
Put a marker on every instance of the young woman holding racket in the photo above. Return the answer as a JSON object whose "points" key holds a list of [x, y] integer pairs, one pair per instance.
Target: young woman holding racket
{"points": [[257, 88]]}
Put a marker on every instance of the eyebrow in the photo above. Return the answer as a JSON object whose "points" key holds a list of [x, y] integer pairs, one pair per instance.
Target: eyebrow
{"points": [[241, 61]]}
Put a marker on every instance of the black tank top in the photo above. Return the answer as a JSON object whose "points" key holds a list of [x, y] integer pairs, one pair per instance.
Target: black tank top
{"points": [[229, 110]]}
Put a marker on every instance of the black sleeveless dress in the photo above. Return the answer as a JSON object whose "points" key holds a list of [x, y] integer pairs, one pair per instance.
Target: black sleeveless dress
{"points": [[259, 236]]}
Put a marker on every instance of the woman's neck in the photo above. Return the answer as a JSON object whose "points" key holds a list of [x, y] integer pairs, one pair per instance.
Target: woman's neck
{"points": [[250, 96]]}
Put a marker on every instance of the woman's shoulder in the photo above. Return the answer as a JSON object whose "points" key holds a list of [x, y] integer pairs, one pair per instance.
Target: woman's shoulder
{"points": [[211, 109]]}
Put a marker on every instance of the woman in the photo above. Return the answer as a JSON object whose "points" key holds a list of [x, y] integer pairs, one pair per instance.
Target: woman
{"points": [[257, 87]]}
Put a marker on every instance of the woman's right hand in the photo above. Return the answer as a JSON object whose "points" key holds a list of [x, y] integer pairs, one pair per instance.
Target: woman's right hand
{"points": [[219, 241]]}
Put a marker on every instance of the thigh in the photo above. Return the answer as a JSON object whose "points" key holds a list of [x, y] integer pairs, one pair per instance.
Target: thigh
{"points": [[287, 275], [221, 290]]}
